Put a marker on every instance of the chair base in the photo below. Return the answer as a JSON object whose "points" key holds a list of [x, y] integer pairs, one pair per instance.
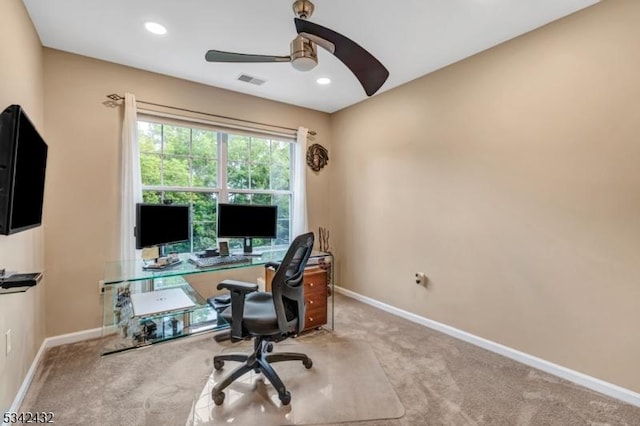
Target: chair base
{"points": [[259, 361]]}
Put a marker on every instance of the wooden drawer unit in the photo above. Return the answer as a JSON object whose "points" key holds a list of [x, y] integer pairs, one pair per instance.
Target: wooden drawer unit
{"points": [[315, 298], [315, 295]]}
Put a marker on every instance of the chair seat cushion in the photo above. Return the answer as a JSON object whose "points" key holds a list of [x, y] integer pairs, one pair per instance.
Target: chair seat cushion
{"points": [[259, 314]]}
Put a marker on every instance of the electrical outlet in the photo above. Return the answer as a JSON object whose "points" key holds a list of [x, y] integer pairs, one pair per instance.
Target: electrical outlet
{"points": [[8, 341], [421, 279]]}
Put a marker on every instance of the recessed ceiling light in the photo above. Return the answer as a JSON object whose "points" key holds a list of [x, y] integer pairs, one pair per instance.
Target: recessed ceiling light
{"points": [[155, 28], [323, 80]]}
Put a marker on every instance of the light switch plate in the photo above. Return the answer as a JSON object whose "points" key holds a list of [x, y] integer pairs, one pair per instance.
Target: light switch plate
{"points": [[8, 341]]}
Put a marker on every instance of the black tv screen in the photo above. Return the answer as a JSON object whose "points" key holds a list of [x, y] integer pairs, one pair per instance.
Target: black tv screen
{"points": [[23, 160], [159, 224], [247, 221]]}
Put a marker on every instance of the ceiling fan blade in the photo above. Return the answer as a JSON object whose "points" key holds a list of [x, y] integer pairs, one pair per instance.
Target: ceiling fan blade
{"points": [[220, 56], [367, 69]]}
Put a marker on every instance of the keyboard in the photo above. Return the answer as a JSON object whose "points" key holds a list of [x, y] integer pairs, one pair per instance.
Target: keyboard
{"points": [[207, 262]]}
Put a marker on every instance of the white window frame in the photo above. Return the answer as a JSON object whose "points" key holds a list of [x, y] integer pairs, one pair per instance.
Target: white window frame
{"points": [[222, 190]]}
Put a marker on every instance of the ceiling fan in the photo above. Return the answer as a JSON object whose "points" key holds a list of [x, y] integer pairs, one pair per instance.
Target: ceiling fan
{"points": [[304, 56]]}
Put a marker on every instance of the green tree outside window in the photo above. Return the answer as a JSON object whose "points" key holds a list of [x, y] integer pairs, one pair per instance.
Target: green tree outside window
{"points": [[181, 165]]}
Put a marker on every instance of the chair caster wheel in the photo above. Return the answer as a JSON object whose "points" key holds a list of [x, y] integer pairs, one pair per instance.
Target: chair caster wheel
{"points": [[218, 364], [218, 398], [285, 398], [269, 347], [308, 363]]}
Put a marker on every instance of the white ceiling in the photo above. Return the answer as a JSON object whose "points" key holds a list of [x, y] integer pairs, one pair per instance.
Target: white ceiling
{"points": [[411, 38]]}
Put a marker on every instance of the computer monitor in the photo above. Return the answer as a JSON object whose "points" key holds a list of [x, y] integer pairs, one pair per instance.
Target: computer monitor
{"points": [[247, 221], [160, 224]]}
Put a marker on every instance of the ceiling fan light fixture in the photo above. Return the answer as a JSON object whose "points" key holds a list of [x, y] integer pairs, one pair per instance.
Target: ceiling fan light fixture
{"points": [[304, 63]]}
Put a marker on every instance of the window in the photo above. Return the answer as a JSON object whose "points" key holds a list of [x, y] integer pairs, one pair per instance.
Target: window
{"points": [[203, 166]]}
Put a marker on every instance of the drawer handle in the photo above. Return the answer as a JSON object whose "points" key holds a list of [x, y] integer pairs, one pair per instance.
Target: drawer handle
{"points": [[311, 302], [310, 284], [310, 319]]}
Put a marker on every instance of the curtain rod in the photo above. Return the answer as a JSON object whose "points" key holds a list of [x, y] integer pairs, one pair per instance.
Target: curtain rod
{"points": [[116, 98]]}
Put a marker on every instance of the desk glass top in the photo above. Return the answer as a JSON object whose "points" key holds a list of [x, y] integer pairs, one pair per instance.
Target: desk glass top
{"points": [[132, 270]]}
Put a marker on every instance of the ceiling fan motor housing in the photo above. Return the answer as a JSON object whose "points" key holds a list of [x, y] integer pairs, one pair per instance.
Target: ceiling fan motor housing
{"points": [[304, 55]]}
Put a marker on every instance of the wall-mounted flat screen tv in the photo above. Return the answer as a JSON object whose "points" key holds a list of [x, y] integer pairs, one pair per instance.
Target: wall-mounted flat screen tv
{"points": [[23, 160]]}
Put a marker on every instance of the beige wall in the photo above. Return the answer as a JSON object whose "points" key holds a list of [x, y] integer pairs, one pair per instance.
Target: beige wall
{"points": [[509, 178], [84, 169], [512, 180], [22, 313]]}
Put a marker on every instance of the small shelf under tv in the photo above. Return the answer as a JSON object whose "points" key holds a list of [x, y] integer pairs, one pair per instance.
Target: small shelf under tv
{"points": [[18, 283]]}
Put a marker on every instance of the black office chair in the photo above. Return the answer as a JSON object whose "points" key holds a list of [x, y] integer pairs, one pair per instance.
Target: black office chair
{"points": [[267, 318]]}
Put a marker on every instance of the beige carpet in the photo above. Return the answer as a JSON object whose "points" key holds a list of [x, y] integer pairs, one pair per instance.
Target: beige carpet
{"points": [[351, 389], [438, 380]]}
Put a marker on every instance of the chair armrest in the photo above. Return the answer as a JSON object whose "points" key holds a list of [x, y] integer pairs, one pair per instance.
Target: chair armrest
{"points": [[239, 290], [240, 286], [272, 264]]}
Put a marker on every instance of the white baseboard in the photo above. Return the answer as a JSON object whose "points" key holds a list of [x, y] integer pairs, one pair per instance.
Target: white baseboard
{"points": [[78, 336], [581, 379], [47, 343], [27, 381]]}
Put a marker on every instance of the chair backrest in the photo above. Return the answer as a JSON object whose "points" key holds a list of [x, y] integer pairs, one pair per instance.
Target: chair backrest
{"points": [[287, 285]]}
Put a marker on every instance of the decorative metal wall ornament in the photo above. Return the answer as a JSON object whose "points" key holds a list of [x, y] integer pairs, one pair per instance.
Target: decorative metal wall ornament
{"points": [[323, 234], [317, 157]]}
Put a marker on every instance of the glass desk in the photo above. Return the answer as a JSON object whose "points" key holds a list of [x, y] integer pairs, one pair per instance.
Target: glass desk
{"points": [[128, 325]]}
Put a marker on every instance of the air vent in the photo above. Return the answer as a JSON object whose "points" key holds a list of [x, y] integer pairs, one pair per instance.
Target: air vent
{"points": [[249, 79]]}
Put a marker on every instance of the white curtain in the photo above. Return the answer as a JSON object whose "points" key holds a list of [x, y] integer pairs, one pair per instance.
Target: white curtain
{"points": [[299, 221], [131, 181]]}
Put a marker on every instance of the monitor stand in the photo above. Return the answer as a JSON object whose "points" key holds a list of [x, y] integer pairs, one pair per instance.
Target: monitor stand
{"points": [[248, 248]]}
